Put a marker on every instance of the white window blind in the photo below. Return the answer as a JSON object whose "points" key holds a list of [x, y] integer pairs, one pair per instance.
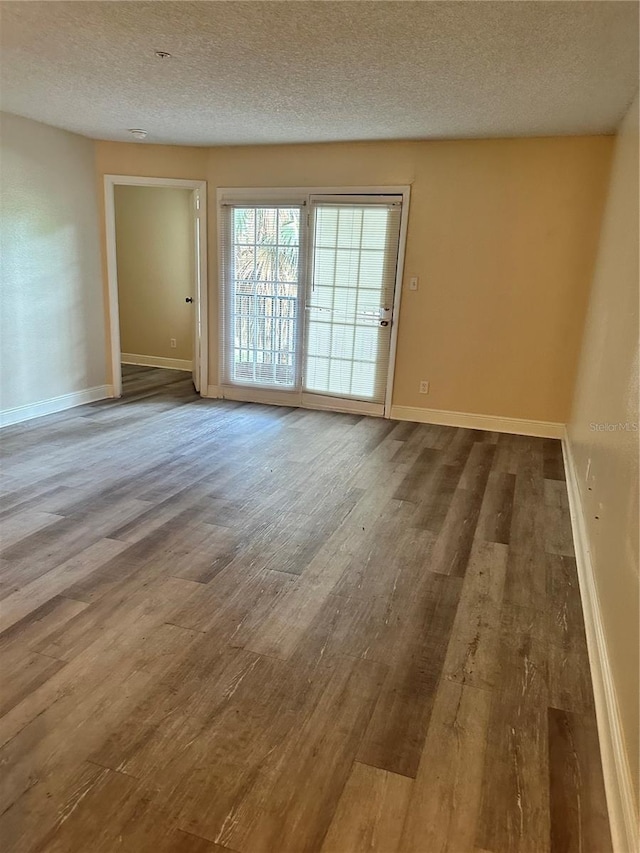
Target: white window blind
{"points": [[350, 300]]}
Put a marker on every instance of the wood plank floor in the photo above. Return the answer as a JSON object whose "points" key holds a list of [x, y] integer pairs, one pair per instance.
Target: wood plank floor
{"points": [[232, 627]]}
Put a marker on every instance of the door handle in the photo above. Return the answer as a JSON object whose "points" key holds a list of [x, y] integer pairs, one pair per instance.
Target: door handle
{"points": [[188, 299]]}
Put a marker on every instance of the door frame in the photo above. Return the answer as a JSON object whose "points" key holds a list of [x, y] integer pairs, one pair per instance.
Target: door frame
{"points": [[275, 194], [199, 195]]}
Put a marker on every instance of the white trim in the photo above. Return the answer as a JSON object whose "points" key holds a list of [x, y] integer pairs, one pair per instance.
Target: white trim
{"points": [[156, 361], [325, 403], [221, 319], [493, 423], [615, 765], [397, 297], [112, 284], [225, 195], [202, 287], [255, 394], [135, 181], [200, 189], [213, 392], [56, 404]]}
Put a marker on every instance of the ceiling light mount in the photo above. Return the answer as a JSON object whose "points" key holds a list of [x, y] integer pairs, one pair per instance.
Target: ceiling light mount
{"points": [[138, 133], [162, 54]]}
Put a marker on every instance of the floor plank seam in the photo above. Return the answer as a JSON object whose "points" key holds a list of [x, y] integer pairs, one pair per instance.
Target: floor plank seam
{"points": [[359, 671]]}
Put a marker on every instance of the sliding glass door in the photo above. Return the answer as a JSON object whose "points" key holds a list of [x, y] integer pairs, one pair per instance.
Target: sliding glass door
{"points": [[308, 293]]}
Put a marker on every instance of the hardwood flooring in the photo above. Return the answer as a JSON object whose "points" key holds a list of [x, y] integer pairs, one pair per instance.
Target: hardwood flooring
{"points": [[233, 627]]}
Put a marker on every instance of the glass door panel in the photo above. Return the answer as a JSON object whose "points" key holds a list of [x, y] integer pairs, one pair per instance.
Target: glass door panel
{"points": [[350, 300], [262, 336]]}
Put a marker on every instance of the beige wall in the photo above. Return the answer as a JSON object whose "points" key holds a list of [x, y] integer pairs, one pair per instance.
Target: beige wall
{"points": [[607, 392], [502, 234], [156, 266], [52, 328]]}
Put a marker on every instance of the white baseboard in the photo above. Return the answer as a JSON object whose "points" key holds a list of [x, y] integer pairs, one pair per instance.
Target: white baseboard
{"points": [[156, 361], [518, 426], [615, 765], [55, 404], [544, 429]]}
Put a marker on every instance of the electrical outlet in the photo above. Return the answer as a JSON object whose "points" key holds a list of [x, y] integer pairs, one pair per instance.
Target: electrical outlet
{"points": [[424, 386], [173, 343], [413, 283]]}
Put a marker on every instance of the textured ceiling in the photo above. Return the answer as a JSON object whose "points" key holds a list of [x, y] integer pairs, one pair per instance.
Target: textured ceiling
{"points": [[260, 72]]}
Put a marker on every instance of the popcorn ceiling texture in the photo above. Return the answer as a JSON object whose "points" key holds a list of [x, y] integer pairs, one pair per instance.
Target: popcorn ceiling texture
{"points": [[269, 72]]}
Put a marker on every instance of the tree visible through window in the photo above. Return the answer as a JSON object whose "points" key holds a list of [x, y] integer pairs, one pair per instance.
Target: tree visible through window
{"points": [[266, 248]]}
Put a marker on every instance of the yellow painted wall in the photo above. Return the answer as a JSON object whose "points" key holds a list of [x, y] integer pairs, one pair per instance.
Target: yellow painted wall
{"points": [[52, 332], [607, 393], [502, 234], [156, 267]]}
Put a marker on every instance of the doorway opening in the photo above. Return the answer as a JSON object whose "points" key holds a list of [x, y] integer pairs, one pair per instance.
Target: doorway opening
{"points": [[156, 262]]}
